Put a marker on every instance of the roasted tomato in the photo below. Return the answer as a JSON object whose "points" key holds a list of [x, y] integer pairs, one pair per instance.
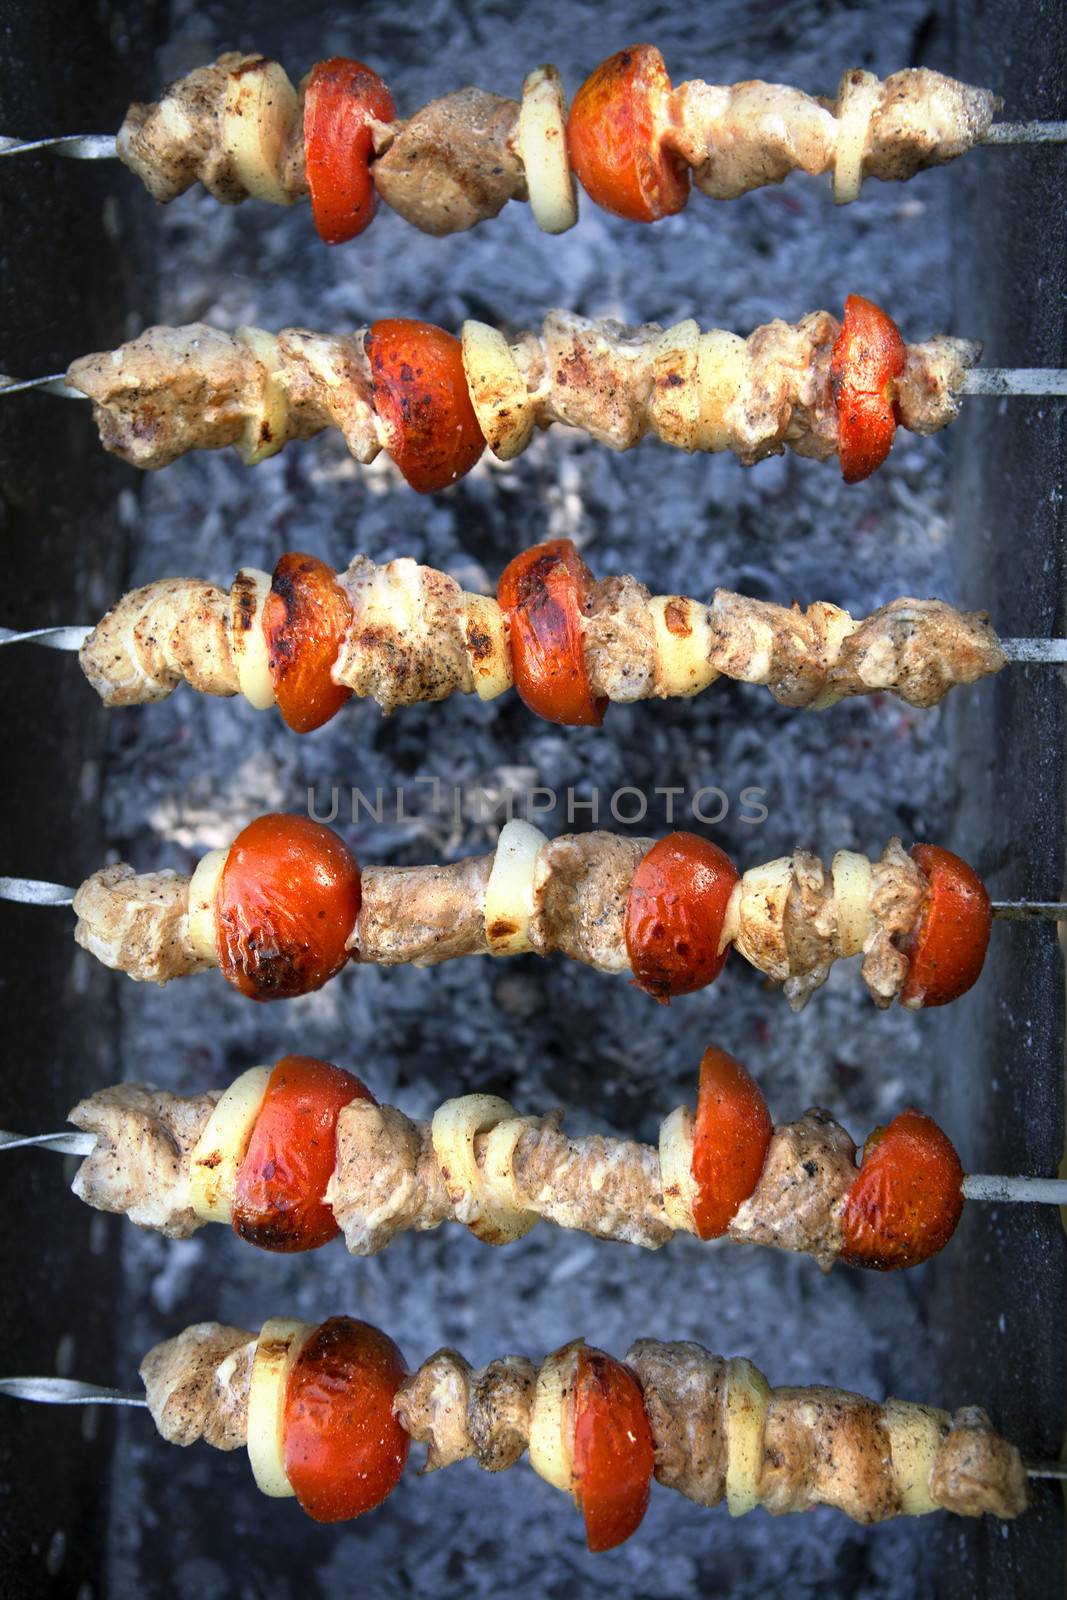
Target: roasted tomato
{"points": [[341, 100], [278, 1198], [287, 901], [675, 915], [344, 1451], [907, 1198], [545, 594], [947, 950], [730, 1140], [305, 618], [868, 357], [615, 138], [421, 395], [614, 1456]]}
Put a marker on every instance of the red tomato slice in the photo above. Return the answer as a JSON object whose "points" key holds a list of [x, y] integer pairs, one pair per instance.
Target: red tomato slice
{"points": [[305, 618], [615, 138], [675, 915], [730, 1141], [947, 951], [287, 902], [278, 1199], [614, 1457], [907, 1198], [869, 355], [343, 1449], [342, 98], [420, 393], [545, 594]]}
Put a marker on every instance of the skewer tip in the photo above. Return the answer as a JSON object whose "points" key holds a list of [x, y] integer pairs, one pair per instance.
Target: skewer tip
{"points": [[34, 892], [1015, 1190], [68, 1392], [1030, 910]]}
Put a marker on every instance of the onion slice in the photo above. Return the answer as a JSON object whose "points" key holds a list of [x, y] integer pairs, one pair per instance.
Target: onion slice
{"points": [[552, 1419], [221, 1147], [748, 1396], [279, 1343], [509, 904], [541, 142]]}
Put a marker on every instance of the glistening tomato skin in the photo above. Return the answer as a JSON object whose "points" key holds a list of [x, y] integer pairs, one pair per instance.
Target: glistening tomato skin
{"points": [[305, 618], [615, 139], [907, 1198], [343, 1449], [421, 394], [341, 99], [948, 949], [614, 1457], [675, 915], [287, 901], [278, 1201], [544, 592], [868, 357], [731, 1136]]}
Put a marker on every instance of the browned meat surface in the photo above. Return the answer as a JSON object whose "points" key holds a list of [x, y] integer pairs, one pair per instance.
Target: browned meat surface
{"points": [[387, 1178], [140, 1163], [581, 891], [197, 1385], [685, 1389], [827, 1447], [610, 1188], [422, 914], [177, 142], [452, 164], [810, 1166], [406, 642], [977, 1471], [137, 923], [169, 631]]}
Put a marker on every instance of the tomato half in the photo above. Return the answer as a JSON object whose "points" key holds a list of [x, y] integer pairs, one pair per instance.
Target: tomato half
{"points": [[341, 99], [907, 1198], [869, 355], [947, 951], [420, 393], [344, 1450], [288, 899], [615, 138], [614, 1456], [675, 915], [731, 1136], [544, 592], [278, 1199], [305, 618]]}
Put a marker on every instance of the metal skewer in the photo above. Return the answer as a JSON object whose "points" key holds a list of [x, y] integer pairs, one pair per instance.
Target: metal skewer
{"points": [[69, 1392], [64, 638], [33, 892], [104, 146], [1040, 652], [1026, 133], [975, 1186], [67, 1144], [997, 381], [36, 892], [80, 146], [1030, 910], [1034, 652], [1014, 381], [55, 383]]}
